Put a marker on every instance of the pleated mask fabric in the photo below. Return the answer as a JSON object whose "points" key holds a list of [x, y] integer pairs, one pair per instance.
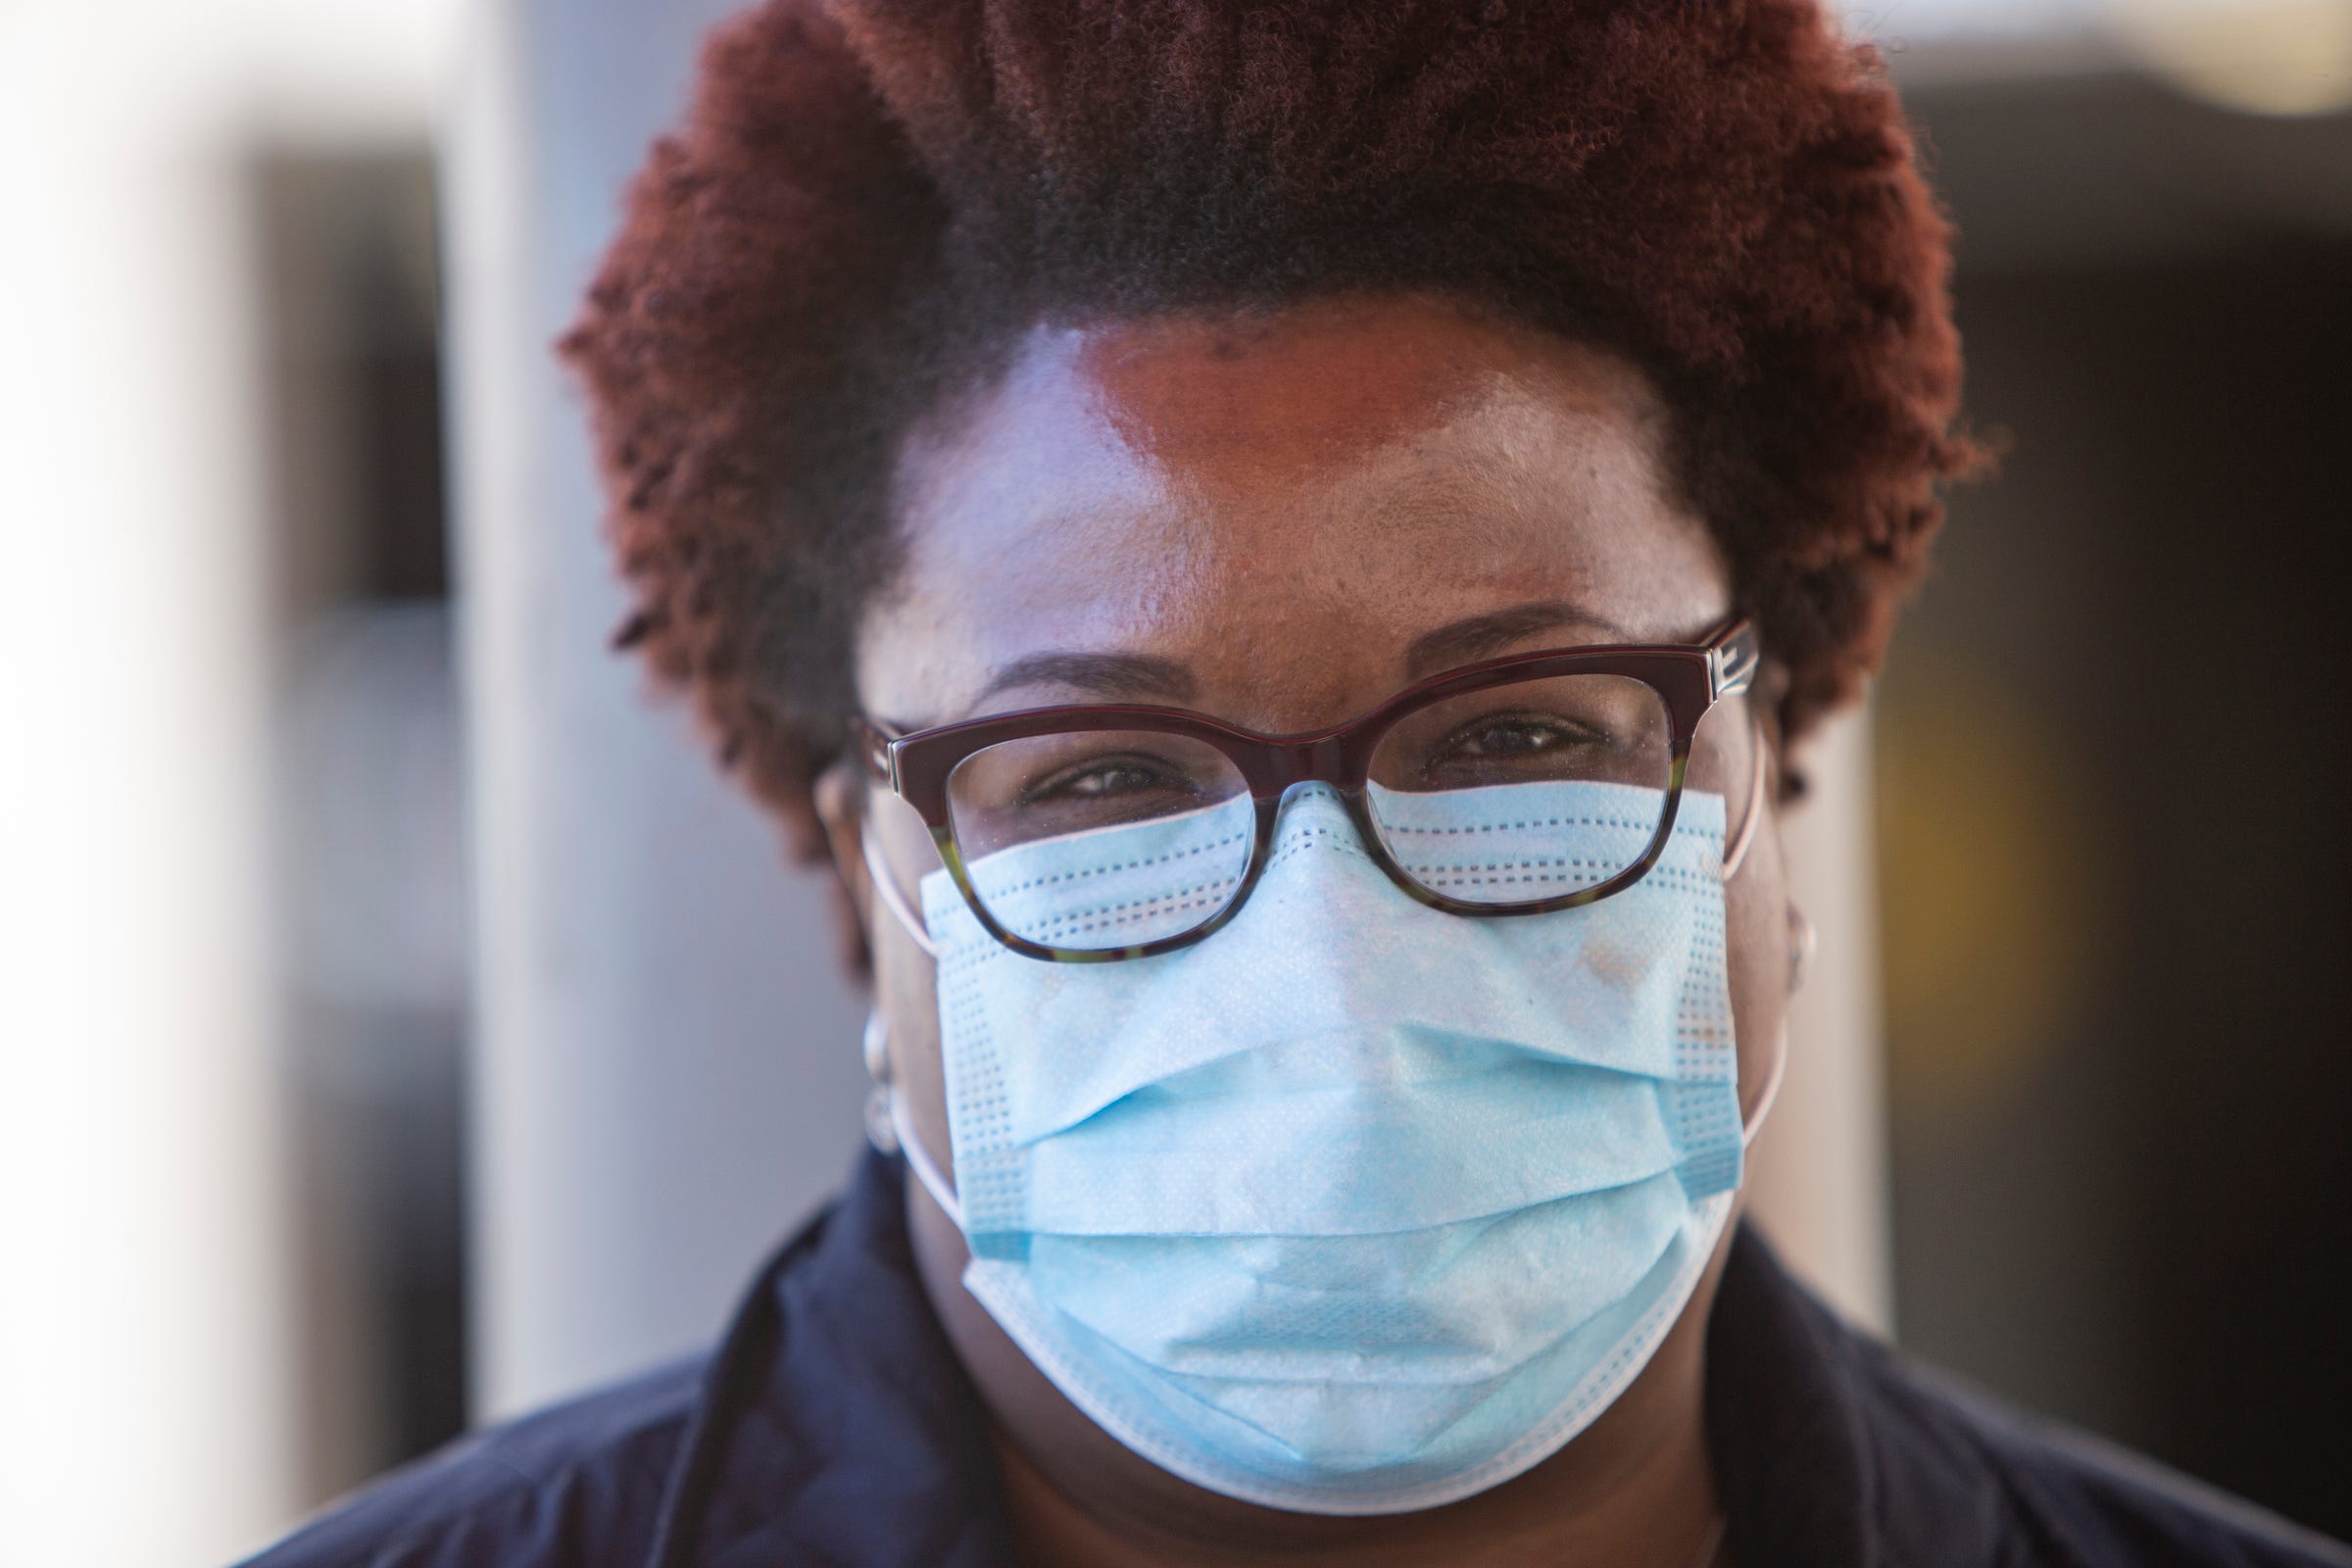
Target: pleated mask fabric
{"points": [[1357, 1207]]}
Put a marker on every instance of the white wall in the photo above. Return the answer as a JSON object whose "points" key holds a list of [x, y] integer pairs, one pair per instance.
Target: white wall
{"points": [[1817, 1181]]}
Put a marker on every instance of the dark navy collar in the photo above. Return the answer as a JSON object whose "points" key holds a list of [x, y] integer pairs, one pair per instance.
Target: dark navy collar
{"points": [[837, 1425], [1800, 1409]]}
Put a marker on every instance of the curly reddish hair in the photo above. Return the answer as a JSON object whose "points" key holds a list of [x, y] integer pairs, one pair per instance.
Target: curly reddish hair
{"points": [[867, 200]]}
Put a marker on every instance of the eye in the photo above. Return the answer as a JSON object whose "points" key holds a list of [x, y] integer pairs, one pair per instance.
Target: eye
{"points": [[1502, 737], [1101, 778]]}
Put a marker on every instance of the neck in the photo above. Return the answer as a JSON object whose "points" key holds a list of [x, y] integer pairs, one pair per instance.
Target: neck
{"points": [[1635, 1490]]}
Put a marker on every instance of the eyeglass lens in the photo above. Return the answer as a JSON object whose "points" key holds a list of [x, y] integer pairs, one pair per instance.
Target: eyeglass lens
{"points": [[1525, 792], [1101, 839]]}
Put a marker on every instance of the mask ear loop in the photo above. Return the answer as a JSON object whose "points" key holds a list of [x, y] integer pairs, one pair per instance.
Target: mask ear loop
{"points": [[1735, 853], [886, 887], [919, 1161], [1753, 1123], [1733, 857], [887, 1126]]}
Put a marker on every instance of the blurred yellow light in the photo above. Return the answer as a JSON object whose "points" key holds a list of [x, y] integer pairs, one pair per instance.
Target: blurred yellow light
{"points": [[1993, 867], [2259, 57]]}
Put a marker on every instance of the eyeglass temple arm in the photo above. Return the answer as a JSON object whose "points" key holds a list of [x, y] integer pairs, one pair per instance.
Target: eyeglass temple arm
{"points": [[886, 887], [1733, 660], [1734, 657], [872, 744], [1736, 852], [873, 750]]}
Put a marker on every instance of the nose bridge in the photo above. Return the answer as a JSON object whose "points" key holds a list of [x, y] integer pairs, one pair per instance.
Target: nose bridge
{"points": [[1321, 760], [1314, 885], [1327, 762], [1330, 812]]}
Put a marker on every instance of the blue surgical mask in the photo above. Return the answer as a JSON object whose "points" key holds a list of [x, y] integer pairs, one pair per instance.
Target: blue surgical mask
{"points": [[1357, 1207]]}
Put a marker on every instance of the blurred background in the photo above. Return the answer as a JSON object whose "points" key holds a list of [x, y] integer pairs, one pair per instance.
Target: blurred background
{"points": [[401, 1025]]}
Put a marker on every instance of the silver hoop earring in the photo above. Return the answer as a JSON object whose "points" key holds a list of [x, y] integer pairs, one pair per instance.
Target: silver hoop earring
{"points": [[1802, 938], [879, 1128]]}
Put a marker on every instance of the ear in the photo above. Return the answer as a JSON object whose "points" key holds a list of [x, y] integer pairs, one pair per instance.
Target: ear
{"points": [[1771, 695], [840, 799]]}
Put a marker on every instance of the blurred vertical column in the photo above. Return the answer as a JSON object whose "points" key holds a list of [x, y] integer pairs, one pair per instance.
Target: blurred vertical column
{"points": [[145, 1293], [147, 1407], [666, 1069], [1818, 1181]]}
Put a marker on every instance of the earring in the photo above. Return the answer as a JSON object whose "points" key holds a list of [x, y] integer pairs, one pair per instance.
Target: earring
{"points": [[1802, 938], [878, 1129]]}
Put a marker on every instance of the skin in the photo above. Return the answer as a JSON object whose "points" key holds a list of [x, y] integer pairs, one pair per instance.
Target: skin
{"points": [[1279, 505]]}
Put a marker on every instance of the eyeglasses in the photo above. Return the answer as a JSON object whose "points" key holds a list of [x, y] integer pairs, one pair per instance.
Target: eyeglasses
{"points": [[1515, 786]]}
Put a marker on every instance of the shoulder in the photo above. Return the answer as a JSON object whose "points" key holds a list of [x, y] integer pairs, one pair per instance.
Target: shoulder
{"points": [[2074, 1499], [577, 1486]]}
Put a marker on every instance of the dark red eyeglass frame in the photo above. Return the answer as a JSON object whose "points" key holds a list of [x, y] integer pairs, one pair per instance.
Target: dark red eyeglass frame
{"points": [[1689, 678]]}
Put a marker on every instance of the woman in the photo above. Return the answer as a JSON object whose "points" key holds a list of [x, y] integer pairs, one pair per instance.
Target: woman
{"points": [[1281, 553]]}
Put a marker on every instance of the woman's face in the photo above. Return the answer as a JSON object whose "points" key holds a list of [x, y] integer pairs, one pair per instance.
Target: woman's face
{"points": [[1279, 519]]}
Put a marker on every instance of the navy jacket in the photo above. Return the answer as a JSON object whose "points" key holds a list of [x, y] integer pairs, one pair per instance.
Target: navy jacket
{"points": [[834, 1427]]}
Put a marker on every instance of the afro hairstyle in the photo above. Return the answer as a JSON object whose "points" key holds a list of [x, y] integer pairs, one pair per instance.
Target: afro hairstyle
{"points": [[869, 198]]}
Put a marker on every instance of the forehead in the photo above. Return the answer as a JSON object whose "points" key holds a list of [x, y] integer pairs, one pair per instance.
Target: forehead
{"points": [[1280, 503]]}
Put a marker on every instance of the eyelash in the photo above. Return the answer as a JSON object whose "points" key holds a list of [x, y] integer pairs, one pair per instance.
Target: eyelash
{"points": [[1058, 783]]}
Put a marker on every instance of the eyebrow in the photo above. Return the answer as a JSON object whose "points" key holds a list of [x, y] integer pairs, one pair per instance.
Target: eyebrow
{"points": [[1467, 640], [1114, 677], [1140, 677]]}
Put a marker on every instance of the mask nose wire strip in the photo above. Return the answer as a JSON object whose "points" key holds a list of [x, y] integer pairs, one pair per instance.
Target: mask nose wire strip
{"points": [[886, 887], [1736, 852]]}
